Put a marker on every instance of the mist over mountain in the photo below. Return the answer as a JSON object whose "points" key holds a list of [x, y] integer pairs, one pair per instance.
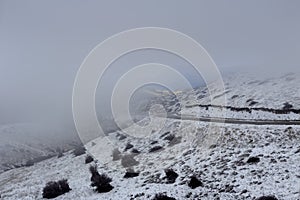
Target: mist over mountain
{"points": [[174, 137]]}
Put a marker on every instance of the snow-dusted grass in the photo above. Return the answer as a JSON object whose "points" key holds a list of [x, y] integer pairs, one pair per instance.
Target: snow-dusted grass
{"points": [[221, 167]]}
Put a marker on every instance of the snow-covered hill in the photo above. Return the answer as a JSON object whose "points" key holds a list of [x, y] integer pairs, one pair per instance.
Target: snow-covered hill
{"points": [[22, 144], [230, 161], [222, 166], [247, 97]]}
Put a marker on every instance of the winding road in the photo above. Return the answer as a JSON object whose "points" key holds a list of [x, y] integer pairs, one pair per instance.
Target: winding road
{"points": [[235, 121]]}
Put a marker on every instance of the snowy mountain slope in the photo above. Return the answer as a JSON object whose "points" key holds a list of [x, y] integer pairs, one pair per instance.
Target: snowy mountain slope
{"points": [[247, 97], [271, 92], [232, 161], [23, 143], [220, 164]]}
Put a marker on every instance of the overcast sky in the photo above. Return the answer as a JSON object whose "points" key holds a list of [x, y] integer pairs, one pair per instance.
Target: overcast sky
{"points": [[43, 43]]}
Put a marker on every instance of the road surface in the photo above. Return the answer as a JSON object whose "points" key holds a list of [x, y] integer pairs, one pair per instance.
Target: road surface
{"points": [[235, 121]]}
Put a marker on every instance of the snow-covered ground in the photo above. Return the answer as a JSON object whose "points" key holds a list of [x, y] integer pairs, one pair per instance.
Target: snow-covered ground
{"points": [[25, 142], [219, 161], [244, 91], [232, 161]]}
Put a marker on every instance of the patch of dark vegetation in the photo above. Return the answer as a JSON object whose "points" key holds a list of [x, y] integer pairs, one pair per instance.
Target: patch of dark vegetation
{"points": [[60, 154], [227, 189], [253, 160], [135, 151], [165, 134], [88, 159], [154, 178], [249, 110], [176, 140], [171, 176], [169, 137], [162, 196], [287, 106], [188, 195], [116, 154], [156, 148], [79, 150], [153, 142], [234, 96], [131, 174], [132, 197], [201, 96], [29, 163], [101, 182], [128, 146], [54, 189], [195, 182], [129, 161], [288, 129], [252, 103], [121, 136], [139, 195], [267, 198]]}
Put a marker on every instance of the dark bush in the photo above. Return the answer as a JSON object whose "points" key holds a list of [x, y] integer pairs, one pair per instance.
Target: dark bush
{"points": [[195, 182], [165, 134], [121, 136], [154, 149], [60, 154], [54, 189], [252, 103], [171, 175], [253, 160], [153, 142], [100, 181], [131, 174], [175, 141], [135, 151], [169, 137], [267, 198], [128, 146], [79, 150], [88, 159], [161, 196], [287, 106], [64, 185], [29, 163]]}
